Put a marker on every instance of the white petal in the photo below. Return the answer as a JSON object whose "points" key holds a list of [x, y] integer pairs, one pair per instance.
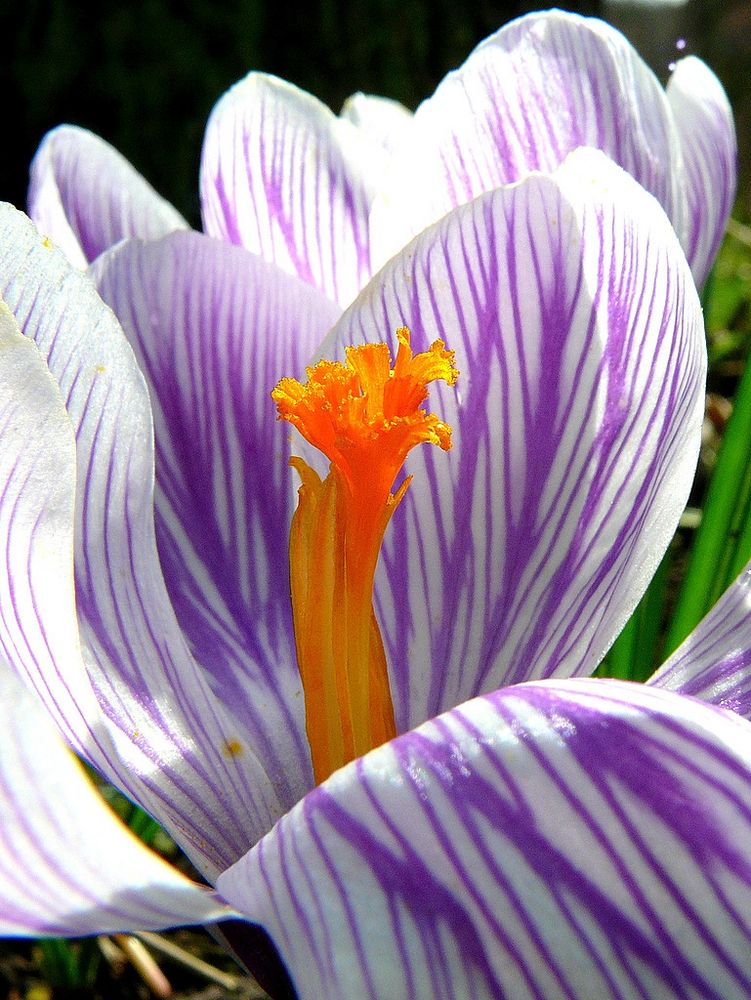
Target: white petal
{"points": [[67, 865], [214, 328], [704, 121], [714, 661], [284, 177], [576, 416], [527, 96], [384, 121], [580, 839], [86, 197], [176, 744]]}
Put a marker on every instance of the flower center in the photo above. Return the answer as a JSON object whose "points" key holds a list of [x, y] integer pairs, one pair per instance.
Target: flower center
{"points": [[364, 416]]}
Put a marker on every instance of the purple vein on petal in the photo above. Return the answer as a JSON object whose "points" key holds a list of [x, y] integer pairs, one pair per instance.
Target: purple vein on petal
{"points": [[576, 421], [86, 197], [214, 329], [67, 865], [555, 839], [165, 735], [285, 178], [714, 662]]}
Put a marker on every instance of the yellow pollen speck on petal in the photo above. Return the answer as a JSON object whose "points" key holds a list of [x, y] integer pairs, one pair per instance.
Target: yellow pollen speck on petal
{"points": [[364, 414], [233, 748], [47, 243]]}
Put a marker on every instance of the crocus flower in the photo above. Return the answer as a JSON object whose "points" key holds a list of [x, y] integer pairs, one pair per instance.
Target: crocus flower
{"points": [[331, 198], [564, 837]]}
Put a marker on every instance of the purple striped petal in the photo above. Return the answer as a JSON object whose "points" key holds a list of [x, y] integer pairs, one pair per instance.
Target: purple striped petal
{"points": [[38, 628], [528, 95], [284, 177], [704, 121], [576, 419], [214, 328], [67, 865], [86, 197], [179, 751], [563, 839], [714, 662], [384, 121]]}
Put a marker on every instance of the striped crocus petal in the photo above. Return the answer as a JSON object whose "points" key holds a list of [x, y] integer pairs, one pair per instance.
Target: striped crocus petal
{"points": [[38, 627], [578, 335], [67, 864], [705, 126], [284, 177], [179, 751], [528, 95], [385, 121], [560, 839], [714, 662], [86, 197], [214, 328]]}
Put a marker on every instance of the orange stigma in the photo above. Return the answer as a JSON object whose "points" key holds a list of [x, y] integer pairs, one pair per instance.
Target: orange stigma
{"points": [[364, 416]]}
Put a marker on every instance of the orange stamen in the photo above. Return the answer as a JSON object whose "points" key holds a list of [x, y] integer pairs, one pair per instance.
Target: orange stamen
{"points": [[364, 416]]}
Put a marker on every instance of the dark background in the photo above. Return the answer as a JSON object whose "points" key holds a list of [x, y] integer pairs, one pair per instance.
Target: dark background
{"points": [[145, 75]]}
